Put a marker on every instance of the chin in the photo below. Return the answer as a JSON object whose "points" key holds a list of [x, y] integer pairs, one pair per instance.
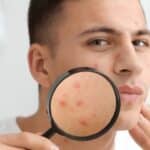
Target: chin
{"points": [[127, 119]]}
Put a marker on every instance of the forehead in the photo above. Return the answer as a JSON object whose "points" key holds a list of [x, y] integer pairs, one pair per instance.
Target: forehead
{"points": [[120, 14]]}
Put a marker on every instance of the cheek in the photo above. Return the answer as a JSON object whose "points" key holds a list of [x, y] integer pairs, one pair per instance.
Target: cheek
{"points": [[105, 67], [99, 61], [145, 76], [96, 65]]}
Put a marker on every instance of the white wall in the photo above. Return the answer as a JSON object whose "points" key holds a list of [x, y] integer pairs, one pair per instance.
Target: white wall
{"points": [[18, 91], [146, 5], [17, 88]]}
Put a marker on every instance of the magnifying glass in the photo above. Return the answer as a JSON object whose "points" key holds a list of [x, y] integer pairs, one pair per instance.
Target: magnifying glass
{"points": [[83, 104]]}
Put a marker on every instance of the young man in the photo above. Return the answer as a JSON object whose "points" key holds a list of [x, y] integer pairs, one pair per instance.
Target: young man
{"points": [[110, 35]]}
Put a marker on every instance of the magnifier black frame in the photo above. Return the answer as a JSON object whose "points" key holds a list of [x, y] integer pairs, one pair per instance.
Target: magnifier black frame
{"points": [[55, 129]]}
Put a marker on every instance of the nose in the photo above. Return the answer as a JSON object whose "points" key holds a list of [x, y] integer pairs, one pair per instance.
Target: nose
{"points": [[127, 60]]}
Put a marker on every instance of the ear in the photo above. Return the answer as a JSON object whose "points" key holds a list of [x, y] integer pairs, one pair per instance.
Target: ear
{"points": [[38, 60]]}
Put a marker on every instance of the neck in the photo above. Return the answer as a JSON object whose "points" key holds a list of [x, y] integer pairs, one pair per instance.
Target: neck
{"points": [[39, 122]]}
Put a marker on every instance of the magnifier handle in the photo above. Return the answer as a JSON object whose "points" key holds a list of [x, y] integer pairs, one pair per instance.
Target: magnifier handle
{"points": [[49, 133]]}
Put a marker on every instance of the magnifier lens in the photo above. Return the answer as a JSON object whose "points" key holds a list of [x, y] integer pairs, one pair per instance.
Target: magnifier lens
{"points": [[83, 104]]}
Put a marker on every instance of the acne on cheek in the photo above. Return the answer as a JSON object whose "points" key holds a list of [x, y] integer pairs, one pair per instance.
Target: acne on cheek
{"points": [[76, 85], [96, 66], [63, 100], [63, 103], [83, 122], [79, 103]]}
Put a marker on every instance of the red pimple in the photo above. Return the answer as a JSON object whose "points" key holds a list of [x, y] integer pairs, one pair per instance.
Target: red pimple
{"points": [[63, 103], [83, 122], [95, 66], [76, 85], [79, 103]]}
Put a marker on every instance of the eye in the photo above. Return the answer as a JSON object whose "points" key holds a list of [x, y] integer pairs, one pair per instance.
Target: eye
{"points": [[98, 42], [140, 43]]}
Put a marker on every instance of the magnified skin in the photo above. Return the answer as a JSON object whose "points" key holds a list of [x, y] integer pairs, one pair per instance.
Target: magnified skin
{"points": [[77, 85], [63, 103], [83, 122], [80, 103], [83, 104]]}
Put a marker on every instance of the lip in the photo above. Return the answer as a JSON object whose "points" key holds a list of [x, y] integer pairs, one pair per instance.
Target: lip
{"points": [[130, 94], [126, 89]]}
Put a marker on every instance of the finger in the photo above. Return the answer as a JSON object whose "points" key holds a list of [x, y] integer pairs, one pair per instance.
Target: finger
{"points": [[5, 147], [144, 124], [146, 111], [140, 138], [28, 141]]}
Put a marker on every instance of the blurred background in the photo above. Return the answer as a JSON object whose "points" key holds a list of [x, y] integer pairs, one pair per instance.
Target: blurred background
{"points": [[18, 91]]}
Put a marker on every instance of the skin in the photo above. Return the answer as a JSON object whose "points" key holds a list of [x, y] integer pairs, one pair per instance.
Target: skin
{"points": [[112, 51]]}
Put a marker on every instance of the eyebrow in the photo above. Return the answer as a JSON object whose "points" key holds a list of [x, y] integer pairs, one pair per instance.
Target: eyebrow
{"points": [[109, 30], [99, 29], [143, 32]]}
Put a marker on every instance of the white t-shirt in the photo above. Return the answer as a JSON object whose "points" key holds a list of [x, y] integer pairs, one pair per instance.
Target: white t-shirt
{"points": [[123, 140]]}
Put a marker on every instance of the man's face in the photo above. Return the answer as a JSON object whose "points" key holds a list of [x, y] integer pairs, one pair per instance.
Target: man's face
{"points": [[111, 36]]}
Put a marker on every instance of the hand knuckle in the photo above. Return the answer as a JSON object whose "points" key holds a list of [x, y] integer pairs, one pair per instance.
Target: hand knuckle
{"points": [[46, 145], [25, 136]]}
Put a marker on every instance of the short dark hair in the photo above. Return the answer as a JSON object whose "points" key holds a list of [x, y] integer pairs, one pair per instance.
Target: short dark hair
{"points": [[41, 14]]}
